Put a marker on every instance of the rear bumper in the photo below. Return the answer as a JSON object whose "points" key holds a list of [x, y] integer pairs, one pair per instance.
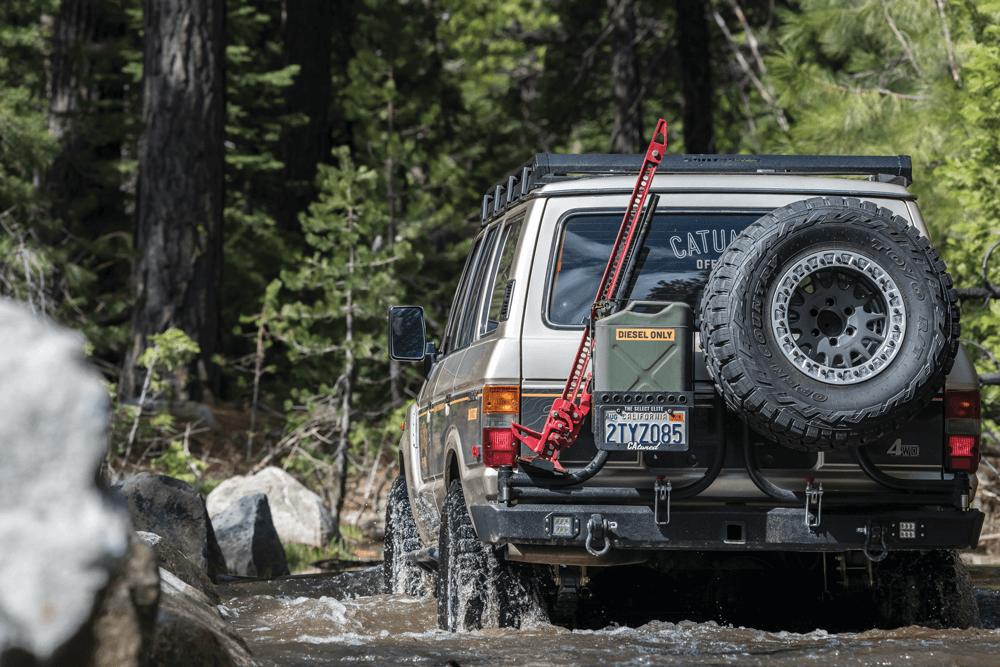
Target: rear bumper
{"points": [[727, 528]]}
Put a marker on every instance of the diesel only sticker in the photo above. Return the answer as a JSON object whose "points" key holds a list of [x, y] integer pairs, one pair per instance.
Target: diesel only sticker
{"points": [[645, 334]]}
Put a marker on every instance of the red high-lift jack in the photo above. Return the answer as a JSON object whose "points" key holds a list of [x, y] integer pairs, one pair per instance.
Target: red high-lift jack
{"points": [[569, 410]]}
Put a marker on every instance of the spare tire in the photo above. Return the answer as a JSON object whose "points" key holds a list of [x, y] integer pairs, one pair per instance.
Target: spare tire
{"points": [[828, 323]]}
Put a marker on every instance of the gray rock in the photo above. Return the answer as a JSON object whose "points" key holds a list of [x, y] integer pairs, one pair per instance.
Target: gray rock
{"points": [[173, 561], [190, 631], [248, 538], [175, 511], [123, 630], [298, 514], [61, 538]]}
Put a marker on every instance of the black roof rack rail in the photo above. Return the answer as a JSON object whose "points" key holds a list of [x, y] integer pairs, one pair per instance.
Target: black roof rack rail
{"points": [[545, 168]]}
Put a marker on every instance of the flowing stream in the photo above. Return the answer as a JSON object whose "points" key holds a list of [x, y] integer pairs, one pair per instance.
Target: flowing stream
{"points": [[310, 620]]}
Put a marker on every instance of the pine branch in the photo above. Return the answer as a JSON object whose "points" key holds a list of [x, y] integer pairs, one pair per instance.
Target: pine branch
{"points": [[947, 41], [880, 91], [902, 40], [745, 66]]}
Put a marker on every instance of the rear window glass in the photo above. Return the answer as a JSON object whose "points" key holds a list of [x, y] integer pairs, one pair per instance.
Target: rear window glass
{"points": [[677, 257]]}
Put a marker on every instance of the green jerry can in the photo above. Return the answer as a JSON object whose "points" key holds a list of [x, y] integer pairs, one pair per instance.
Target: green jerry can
{"points": [[643, 385]]}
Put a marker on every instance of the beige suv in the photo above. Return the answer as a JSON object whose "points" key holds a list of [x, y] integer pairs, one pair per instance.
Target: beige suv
{"points": [[830, 422]]}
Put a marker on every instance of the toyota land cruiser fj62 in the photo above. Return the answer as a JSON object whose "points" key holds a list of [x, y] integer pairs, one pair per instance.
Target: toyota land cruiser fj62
{"points": [[779, 385]]}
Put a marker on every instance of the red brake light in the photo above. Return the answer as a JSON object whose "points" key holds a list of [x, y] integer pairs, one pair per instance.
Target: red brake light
{"points": [[499, 447], [962, 454], [962, 405]]}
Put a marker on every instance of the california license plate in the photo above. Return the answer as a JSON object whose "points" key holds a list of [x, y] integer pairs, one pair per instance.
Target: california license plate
{"points": [[644, 428]]}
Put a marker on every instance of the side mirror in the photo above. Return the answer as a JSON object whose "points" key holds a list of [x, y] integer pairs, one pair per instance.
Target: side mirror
{"points": [[407, 333]]}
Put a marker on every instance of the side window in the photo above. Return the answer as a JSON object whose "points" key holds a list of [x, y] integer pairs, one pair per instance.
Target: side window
{"points": [[501, 275], [447, 345], [470, 307]]}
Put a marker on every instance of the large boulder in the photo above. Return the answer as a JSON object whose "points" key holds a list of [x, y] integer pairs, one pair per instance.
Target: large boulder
{"points": [[124, 626], [298, 514], [191, 632], [176, 563], [174, 510], [62, 539], [248, 538]]}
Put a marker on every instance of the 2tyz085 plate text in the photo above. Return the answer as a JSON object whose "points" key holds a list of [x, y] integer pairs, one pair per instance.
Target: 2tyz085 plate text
{"points": [[652, 428]]}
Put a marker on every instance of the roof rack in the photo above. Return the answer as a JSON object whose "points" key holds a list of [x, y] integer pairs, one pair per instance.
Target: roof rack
{"points": [[545, 168]]}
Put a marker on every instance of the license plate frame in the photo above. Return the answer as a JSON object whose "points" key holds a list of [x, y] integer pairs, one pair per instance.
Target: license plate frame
{"points": [[648, 439]]}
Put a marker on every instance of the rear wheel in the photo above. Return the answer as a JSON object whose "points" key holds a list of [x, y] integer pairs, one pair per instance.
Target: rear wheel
{"points": [[930, 588], [402, 538], [475, 589]]}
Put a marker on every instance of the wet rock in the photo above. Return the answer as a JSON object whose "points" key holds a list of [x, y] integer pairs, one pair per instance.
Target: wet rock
{"points": [[173, 561], [62, 539], [175, 511], [190, 631], [124, 627], [298, 514], [248, 538]]}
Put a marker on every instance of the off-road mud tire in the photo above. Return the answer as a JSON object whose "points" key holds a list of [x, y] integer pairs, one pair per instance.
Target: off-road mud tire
{"points": [[930, 588], [757, 377], [401, 538], [476, 589]]}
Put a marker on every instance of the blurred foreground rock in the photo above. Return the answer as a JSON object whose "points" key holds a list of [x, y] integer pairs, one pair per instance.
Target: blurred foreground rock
{"points": [[191, 632], [248, 538], [62, 539], [298, 514], [173, 561], [174, 510]]}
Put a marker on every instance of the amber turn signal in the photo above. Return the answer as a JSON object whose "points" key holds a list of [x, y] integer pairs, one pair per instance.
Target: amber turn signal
{"points": [[501, 398]]}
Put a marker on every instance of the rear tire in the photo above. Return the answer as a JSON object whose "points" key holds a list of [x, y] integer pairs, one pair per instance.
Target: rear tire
{"points": [[930, 588], [475, 589], [402, 538]]}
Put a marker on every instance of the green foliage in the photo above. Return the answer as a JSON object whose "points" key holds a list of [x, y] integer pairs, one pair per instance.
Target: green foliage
{"points": [[177, 463], [25, 148], [973, 178], [168, 351], [301, 557], [256, 79]]}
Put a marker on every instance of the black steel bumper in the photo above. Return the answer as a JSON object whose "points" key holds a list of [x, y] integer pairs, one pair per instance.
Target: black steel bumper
{"points": [[729, 528]]}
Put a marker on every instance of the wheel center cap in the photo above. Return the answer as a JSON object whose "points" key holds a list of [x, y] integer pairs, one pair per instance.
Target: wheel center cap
{"points": [[831, 323]]}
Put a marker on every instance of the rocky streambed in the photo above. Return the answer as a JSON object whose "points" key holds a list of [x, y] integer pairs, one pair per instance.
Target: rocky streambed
{"points": [[330, 620]]}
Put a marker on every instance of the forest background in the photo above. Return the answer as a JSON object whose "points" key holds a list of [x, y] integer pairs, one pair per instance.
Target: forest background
{"points": [[225, 196]]}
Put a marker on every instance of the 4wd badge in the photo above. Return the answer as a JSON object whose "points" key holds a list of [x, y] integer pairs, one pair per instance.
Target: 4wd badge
{"points": [[899, 449]]}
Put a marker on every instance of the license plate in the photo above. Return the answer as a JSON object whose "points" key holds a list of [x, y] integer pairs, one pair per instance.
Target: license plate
{"points": [[655, 429]]}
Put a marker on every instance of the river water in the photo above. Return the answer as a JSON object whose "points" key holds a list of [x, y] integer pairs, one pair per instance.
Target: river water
{"points": [[325, 619]]}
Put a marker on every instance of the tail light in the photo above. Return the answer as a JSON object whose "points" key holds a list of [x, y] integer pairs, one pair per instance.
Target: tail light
{"points": [[501, 404], [962, 431]]}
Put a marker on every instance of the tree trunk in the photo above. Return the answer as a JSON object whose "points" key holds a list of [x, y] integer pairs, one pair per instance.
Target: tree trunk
{"points": [[80, 30], [626, 134], [340, 460], [696, 76], [308, 31], [180, 198], [395, 370]]}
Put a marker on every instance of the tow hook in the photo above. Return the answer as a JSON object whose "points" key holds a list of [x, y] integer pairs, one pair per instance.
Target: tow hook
{"points": [[814, 499], [597, 529], [875, 532]]}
